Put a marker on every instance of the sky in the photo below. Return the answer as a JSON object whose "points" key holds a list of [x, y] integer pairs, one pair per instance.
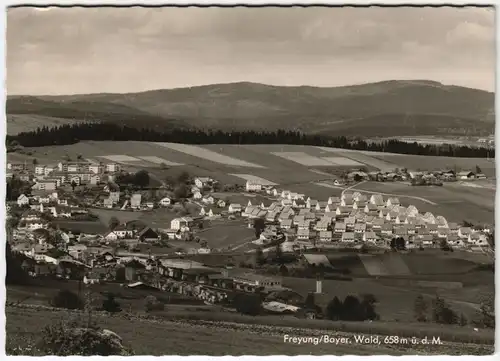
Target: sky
{"points": [[121, 50]]}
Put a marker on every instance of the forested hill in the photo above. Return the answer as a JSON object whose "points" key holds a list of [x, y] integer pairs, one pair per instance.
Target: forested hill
{"points": [[70, 134], [388, 108]]}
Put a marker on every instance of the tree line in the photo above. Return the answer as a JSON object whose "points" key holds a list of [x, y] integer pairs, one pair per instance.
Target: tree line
{"points": [[73, 133]]}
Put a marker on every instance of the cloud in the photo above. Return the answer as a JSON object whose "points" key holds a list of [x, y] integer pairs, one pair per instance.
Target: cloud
{"points": [[127, 49]]}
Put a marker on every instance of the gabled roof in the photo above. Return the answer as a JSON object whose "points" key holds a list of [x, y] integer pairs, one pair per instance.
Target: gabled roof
{"points": [[347, 235]]}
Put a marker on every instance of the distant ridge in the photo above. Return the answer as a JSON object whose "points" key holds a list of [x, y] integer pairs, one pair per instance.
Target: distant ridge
{"points": [[386, 108]]}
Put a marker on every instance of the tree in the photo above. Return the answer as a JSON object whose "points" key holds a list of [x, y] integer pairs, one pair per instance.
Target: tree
{"points": [[152, 304], [278, 255], [400, 243], [181, 191], [73, 185], [248, 304], [478, 170], [110, 304], [141, 179], [283, 270], [487, 311], [113, 223], [259, 225], [393, 244], [442, 313], [310, 301], [183, 178], [259, 257], [351, 309], [35, 161], [67, 299], [443, 244], [334, 309], [463, 320], [420, 308]]}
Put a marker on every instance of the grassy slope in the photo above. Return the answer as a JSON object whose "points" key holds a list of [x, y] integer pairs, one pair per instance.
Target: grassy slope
{"points": [[403, 107], [198, 337]]}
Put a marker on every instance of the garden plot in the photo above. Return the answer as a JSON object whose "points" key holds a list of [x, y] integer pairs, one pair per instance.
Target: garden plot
{"points": [[360, 158], [303, 159], [255, 179], [158, 160], [120, 158], [342, 161], [206, 154]]}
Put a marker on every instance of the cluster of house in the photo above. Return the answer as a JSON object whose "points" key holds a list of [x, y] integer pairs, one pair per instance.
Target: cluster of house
{"points": [[353, 217], [51, 176]]}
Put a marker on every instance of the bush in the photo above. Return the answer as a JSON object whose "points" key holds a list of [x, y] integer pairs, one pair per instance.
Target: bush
{"points": [[152, 304], [442, 313], [247, 304], [67, 299], [67, 339], [110, 304]]}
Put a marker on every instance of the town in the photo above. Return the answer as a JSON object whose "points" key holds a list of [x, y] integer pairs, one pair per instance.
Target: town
{"points": [[283, 222]]}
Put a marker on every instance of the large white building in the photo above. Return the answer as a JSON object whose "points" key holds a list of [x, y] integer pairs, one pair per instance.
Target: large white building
{"points": [[251, 186], [179, 223]]}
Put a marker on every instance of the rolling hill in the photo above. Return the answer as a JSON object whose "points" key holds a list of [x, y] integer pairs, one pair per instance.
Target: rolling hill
{"points": [[385, 108]]}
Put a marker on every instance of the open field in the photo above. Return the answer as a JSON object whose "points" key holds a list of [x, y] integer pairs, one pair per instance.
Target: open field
{"points": [[253, 178], [227, 235], [158, 160], [361, 158], [207, 154]]}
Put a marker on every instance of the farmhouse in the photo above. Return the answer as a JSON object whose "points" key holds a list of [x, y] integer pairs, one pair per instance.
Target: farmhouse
{"points": [[22, 200], [166, 201], [252, 186], [343, 211], [464, 175], [322, 225], [179, 223], [298, 203], [208, 200], [135, 200], [464, 232], [370, 208], [320, 206], [202, 182], [234, 208], [197, 195], [45, 185]]}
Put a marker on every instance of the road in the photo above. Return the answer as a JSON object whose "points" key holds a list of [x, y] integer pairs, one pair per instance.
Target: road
{"points": [[373, 192]]}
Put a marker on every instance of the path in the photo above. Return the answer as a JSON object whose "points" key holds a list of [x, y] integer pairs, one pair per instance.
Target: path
{"points": [[372, 192]]}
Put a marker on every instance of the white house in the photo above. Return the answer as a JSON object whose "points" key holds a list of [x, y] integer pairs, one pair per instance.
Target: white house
{"points": [[252, 186], [23, 200], [179, 223], [112, 167], [201, 182], [464, 232], [464, 175], [197, 195], [377, 199], [208, 200], [348, 237], [166, 201], [392, 201], [234, 208], [221, 203], [303, 234], [325, 236], [369, 237]]}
